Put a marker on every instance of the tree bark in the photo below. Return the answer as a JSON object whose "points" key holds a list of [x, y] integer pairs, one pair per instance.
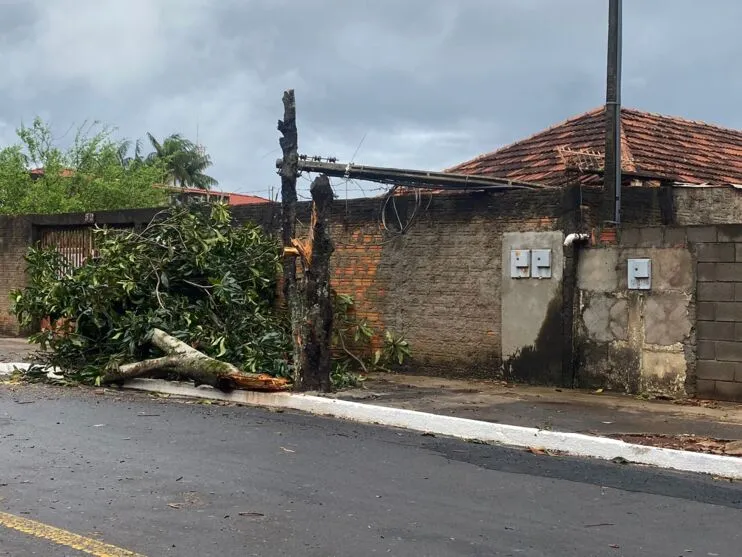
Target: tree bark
{"points": [[290, 145], [189, 362], [316, 357]]}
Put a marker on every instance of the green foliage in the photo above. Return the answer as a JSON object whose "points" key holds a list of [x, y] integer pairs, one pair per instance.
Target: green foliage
{"points": [[190, 273], [352, 339], [184, 163], [396, 349], [87, 176]]}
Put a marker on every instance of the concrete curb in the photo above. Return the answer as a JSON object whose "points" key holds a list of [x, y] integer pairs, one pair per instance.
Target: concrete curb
{"points": [[515, 436], [8, 368]]}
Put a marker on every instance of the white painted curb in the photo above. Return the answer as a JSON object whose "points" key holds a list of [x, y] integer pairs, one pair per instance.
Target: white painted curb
{"points": [[571, 443], [10, 368]]}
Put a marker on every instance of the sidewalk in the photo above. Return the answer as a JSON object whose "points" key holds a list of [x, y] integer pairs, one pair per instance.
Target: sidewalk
{"points": [[16, 349], [625, 417]]}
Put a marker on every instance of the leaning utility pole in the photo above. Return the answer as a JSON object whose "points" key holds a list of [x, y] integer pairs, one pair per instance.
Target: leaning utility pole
{"points": [[612, 166]]}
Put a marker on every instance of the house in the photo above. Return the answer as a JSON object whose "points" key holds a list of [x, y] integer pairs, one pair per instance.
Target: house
{"points": [[232, 199], [37, 173], [182, 194], [655, 149]]}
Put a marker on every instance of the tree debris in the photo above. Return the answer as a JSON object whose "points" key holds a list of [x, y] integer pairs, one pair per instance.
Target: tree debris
{"points": [[189, 362]]}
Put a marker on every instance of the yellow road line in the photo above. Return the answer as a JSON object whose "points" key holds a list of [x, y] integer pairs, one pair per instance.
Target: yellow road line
{"points": [[63, 537]]}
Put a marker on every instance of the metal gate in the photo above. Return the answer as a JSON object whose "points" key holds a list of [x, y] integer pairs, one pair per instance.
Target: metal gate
{"points": [[75, 243]]}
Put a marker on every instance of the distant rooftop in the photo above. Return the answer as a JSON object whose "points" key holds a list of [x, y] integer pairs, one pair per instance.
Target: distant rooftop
{"points": [[231, 198]]}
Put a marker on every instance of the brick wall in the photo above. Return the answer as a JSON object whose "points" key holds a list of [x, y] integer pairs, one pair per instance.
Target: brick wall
{"points": [[719, 314], [15, 237], [439, 283]]}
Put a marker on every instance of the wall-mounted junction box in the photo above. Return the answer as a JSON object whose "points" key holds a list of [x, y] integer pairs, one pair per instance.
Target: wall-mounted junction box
{"points": [[640, 274], [520, 263], [541, 263]]}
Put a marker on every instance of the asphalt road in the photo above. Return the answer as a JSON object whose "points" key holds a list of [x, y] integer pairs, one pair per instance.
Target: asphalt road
{"points": [[161, 477]]}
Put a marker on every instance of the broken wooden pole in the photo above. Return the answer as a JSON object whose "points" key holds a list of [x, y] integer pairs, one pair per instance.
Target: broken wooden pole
{"points": [[289, 145], [316, 357]]}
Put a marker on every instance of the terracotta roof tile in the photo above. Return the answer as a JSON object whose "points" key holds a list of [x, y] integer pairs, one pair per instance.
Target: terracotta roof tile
{"points": [[674, 148]]}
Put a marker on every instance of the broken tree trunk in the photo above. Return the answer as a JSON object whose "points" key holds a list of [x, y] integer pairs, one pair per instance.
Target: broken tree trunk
{"points": [[290, 145], [189, 362], [316, 333]]}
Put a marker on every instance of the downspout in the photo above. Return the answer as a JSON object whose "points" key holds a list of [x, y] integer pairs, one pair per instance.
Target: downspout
{"points": [[570, 350]]}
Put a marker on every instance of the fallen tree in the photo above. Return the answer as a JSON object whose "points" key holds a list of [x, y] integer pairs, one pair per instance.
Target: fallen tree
{"points": [[187, 362], [210, 288], [192, 295]]}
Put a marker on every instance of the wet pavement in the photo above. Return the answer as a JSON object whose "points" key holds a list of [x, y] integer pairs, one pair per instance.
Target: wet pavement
{"points": [[158, 476], [549, 408]]}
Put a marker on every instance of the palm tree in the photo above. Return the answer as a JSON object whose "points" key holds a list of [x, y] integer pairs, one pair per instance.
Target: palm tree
{"points": [[185, 162], [122, 152]]}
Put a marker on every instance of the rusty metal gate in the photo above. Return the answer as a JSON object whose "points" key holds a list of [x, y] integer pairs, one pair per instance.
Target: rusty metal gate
{"points": [[75, 243]]}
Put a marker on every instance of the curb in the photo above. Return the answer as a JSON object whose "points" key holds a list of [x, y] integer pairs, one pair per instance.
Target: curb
{"points": [[10, 368], [575, 444]]}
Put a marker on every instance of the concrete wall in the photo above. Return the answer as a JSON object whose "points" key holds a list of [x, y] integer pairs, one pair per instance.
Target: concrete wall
{"points": [[532, 316], [630, 340], [719, 367]]}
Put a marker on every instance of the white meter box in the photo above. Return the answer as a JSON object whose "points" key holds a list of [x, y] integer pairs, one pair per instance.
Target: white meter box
{"points": [[520, 263], [640, 274], [541, 263]]}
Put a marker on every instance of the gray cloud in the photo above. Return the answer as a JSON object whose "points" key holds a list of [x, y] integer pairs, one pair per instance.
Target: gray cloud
{"points": [[428, 82]]}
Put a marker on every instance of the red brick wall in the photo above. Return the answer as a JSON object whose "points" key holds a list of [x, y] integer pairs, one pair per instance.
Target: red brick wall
{"points": [[15, 237], [439, 283]]}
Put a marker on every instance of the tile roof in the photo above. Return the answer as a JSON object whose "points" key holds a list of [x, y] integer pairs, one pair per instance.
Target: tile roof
{"points": [[652, 145], [64, 173], [232, 198]]}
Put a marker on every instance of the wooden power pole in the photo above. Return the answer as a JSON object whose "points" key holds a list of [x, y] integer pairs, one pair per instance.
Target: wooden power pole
{"points": [[309, 301], [290, 146], [316, 332]]}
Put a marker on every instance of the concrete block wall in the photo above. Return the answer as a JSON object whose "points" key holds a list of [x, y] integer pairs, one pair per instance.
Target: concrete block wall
{"points": [[719, 313], [630, 340]]}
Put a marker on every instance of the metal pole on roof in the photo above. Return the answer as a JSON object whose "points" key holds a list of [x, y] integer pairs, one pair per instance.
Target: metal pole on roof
{"points": [[612, 174]]}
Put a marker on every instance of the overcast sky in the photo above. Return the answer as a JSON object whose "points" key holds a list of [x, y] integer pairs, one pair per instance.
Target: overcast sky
{"points": [[428, 83]]}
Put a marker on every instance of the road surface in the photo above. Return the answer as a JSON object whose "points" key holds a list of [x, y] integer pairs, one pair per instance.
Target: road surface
{"points": [[143, 476]]}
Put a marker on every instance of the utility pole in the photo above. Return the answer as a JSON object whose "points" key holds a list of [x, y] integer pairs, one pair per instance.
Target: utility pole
{"points": [[289, 145], [612, 166]]}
